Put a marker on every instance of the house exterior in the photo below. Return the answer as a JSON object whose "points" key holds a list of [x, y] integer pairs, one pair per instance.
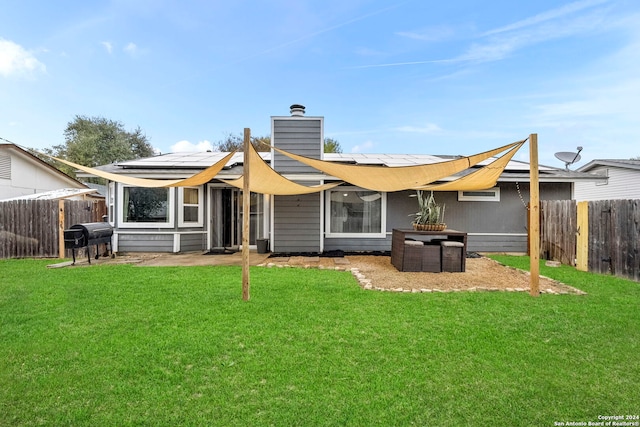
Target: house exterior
{"points": [[22, 174], [620, 180], [346, 217]]}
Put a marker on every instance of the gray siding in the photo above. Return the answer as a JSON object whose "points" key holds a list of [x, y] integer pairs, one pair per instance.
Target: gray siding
{"points": [[193, 242], [509, 215], [145, 242], [492, 226], [296, 223], [358, 245], [497, 243], [298, 135], [475, 243]]}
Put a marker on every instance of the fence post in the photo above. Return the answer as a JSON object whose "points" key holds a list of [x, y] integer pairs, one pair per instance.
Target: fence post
{"points": [[582, 240]]}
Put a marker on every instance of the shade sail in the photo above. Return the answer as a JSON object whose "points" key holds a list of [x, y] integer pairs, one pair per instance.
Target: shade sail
{"points": [[266, 180], [482, 179], [197, 179], [206, 175], [263, 179], [397, 178]]}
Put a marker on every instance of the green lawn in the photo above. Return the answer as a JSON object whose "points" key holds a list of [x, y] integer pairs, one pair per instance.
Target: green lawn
{"points": [[119, 345]]}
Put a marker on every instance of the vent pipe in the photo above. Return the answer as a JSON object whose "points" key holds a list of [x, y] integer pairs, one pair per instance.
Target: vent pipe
{"points": [[297, 110]]}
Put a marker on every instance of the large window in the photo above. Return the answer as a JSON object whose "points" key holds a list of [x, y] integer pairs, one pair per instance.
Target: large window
{"points": [[190, 202], [352, 212], [149, 207]]}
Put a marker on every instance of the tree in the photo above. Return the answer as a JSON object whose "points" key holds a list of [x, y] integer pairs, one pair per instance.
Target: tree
{"points": [[332, 146], [236, 142], [263, 143], [94, 141]]}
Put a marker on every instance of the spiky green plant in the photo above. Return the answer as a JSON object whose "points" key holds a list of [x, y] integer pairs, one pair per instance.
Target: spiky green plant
{"points": [[430, 212]]}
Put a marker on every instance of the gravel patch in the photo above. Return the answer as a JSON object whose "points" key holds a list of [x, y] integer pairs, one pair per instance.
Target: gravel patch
{"points": [[482, 274]]}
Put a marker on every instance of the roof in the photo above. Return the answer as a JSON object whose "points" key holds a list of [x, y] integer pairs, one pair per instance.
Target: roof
{"points": [[63, 193], [205, 159], [619, 163], [199, 160], [178, 165]]}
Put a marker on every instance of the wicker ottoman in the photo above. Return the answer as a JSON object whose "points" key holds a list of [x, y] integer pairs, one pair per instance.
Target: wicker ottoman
{"points": [[452, 256]]}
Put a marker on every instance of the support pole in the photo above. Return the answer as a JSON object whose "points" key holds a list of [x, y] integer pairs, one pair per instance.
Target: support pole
{"points": [[61, 228], [534, 216], [246, 205]]}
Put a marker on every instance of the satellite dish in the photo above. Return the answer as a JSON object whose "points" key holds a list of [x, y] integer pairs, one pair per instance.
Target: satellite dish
{"points": [[568, 157]]}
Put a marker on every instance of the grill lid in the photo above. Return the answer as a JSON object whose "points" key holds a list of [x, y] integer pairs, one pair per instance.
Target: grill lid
{"points": [[94, 230]]}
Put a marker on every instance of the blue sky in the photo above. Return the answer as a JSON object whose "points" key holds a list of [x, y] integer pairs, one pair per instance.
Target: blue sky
{"points": [[415, 76]]}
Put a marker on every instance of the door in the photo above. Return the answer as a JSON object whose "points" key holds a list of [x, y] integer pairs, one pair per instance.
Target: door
{"points": [[226, 218]]}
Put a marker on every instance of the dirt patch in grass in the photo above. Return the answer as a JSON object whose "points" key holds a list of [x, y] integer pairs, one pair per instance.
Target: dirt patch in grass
{"points": [[482, 274], [373, 271]]}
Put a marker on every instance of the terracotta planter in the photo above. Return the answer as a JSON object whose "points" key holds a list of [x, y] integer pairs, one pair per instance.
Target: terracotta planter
{"points": [[429, 227]]}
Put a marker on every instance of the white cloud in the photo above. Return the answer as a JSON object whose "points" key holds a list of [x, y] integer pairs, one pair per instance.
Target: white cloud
{"points": [[427, 128], [367, 145], [185, 146], [364, 51], [504, 41], [608, 90], [131, 49], [16, 61], [108, 46], [581, 17], [548, 15], [428, 34]]}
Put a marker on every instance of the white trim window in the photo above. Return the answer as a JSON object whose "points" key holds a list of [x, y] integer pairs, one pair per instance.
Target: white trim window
{"points": [[354, 212], [602, 172], [190, 206], [5, 167], [111, 195], [491, 195], [146, 207]]}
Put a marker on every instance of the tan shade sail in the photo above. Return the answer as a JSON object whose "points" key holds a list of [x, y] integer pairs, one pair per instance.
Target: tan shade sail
{"points": [[482, 179], [396, 178], [197, 179], [263, 179], [206, 175]]}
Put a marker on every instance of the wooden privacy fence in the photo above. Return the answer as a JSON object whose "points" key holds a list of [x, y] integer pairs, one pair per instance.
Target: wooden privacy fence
{"points": [[33, 228], [600, 236], [558, 230]]}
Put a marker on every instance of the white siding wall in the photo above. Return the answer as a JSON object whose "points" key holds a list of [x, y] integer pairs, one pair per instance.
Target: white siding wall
{"points": [[28, 178], [622, 184]]}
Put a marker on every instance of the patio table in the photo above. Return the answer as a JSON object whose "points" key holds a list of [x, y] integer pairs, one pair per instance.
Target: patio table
{"points": [[428, 257]]}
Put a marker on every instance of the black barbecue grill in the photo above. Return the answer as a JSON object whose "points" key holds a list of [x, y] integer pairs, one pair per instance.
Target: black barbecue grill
{"points": [[87, 234]]}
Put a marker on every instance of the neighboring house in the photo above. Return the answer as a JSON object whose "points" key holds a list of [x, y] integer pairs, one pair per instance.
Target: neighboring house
{"points": [[344, 218], [621, 180], [23, 174]]}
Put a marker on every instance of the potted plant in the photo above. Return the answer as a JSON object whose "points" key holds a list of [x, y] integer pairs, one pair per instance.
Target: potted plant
{"points": [[430, 216]]}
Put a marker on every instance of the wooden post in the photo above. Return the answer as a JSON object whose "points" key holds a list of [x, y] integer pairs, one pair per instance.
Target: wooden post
{"points": [[61, 228], [582, 241], [534, 216], [246, 211]]}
